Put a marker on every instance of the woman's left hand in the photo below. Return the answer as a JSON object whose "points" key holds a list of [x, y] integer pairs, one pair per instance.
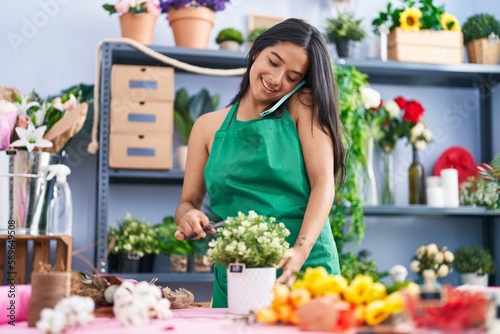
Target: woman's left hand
{"points": [[291, 264]]}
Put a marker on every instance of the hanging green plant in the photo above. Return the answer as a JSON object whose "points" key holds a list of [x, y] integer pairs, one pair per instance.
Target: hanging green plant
{"points": [[347, 200]]}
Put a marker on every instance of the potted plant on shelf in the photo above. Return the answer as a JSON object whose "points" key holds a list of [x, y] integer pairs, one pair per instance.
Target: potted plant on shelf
{"points": [[252, 36], [474, 263], [187, 109], [483, 189], [420, 31], [229, 39], [192, 20], [431, 262], [200, 259], [249, 246], [481, 39], [343, 30], [134, 245], [137, 19], [178, 251]]}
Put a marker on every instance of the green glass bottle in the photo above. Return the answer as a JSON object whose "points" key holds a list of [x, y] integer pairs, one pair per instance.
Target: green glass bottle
{"points": [[416, 179]]}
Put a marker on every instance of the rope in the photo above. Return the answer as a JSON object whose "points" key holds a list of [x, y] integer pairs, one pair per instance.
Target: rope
{"points": [[94, 145], [47, 289]]}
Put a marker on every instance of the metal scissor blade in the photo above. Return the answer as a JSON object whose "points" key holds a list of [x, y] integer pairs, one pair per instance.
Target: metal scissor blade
{"points": [[206, 228]]}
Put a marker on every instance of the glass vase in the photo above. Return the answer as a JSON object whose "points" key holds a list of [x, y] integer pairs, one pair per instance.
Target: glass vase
{"points": [[387, 197], [369, 187]]}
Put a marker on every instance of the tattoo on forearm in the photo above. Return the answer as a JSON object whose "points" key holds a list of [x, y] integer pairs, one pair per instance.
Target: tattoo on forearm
{"points": [[301, 240]]}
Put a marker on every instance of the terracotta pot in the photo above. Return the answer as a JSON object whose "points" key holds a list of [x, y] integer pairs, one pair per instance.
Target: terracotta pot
{"points": [[191, 26], [139, 27]]}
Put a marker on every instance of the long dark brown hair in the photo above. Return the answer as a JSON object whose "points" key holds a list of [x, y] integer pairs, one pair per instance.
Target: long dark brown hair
{"points": [[319, 80]]}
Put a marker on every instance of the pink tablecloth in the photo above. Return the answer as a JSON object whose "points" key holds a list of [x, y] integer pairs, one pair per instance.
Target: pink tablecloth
{"points": [[193, 320]]}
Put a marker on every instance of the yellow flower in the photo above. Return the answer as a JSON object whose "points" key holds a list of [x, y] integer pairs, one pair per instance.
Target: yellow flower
{"points": [[446, 19], [314, 280], [409, 19], [335, 284], [376, 312], [395, 302], [358, 291]]}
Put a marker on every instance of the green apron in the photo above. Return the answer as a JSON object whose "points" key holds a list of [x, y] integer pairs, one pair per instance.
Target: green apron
{"points": [[258, 165]]}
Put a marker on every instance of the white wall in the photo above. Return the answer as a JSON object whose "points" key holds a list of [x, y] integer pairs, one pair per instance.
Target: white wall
{"points": [[48, 45]]}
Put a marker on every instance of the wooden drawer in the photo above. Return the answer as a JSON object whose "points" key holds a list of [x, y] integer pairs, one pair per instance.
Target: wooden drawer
{"points": [[132, 117], [140, 151], [142, 83]]}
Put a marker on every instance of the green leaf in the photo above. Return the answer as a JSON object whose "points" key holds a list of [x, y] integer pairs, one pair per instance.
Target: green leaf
{"points": [[181, 102], [110, 8], [182, 126]]}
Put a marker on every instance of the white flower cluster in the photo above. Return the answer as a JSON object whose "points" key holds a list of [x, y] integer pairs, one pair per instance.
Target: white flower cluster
{"points": [[253, 240], [135, 304], [432, 262], [398, 273], [420, 136], [370, 97], [71, 311]]}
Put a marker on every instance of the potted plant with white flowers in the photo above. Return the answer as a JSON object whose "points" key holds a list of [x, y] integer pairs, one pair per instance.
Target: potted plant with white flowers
{"points": [[431, 261], [249, 246], [134, 245]]}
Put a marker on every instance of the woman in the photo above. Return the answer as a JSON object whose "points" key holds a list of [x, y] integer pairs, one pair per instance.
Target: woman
{"points": [[281, 163]]}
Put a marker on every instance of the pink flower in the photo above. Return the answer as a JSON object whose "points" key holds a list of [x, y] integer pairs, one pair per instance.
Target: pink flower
{"points": [[153, 8], [22, 122], [122, 7], [7, 123], [71, 103]]}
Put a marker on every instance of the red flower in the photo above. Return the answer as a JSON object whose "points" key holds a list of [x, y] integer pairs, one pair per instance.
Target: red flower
{"points": [[413, 111], [400, 101]]}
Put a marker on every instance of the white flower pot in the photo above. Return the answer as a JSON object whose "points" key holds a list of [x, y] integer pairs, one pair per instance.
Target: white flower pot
{"points": [[474, 279], [229, 45], [181, 156], [251, 290]]}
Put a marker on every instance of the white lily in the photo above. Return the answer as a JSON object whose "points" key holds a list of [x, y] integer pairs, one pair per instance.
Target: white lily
{"points": [[40, 115], [24, 106], [58, 104], [31, 137]]}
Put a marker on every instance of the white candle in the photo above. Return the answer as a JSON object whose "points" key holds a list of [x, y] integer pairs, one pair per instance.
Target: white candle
{"points": [[433, 181], [449, 179], [435, 197]]}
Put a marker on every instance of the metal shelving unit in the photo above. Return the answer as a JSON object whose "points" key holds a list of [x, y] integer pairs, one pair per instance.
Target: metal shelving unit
{"points": [[483, 77]]}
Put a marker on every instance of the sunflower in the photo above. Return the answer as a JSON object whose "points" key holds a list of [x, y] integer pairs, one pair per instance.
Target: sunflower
{"points": [[409, 19], [446, 19]]}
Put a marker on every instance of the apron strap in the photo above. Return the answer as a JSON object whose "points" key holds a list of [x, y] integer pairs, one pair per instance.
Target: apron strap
{"points": [[229, 117]]}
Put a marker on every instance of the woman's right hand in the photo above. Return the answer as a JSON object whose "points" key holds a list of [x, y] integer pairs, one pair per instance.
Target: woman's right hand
{"points": [[192, 221]]}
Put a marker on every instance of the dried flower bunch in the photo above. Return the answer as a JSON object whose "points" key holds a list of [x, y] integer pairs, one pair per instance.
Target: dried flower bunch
{"points": [[416, 15], [133, 7], [255, 240], [68, 313], [134, 304], [432, 262]]}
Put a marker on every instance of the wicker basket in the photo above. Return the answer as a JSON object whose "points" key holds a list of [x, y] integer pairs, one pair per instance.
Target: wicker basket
{"points": [[484, 51]]}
